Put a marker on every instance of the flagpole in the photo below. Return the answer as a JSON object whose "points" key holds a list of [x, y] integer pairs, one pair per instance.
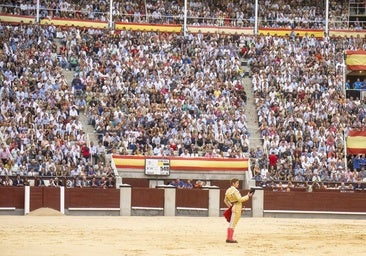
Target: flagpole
{"points": [[345, 148], [111, 14], [146, 15], [185, 19], [327, 17], [344, 77], [37, 12], [256, 18]]}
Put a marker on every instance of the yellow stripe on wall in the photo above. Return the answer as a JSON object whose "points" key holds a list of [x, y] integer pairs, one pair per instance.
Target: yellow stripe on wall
{"points": [[356, 59], [139, 162], [76, 23], [226, 30], [356, 142], [347, 33], [16, 19], [129, 161], [147, 27], [287, 32], [209, 163]]}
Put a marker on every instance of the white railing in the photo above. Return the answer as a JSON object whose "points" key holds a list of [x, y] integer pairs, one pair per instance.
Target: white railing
{"points": [[149, 17]]}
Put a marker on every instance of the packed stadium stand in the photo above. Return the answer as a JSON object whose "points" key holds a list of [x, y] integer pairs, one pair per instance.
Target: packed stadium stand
{"points": [[73, 95]]}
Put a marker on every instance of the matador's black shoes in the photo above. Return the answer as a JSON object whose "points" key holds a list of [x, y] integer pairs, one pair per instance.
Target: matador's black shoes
{"points": [[231, 241]]}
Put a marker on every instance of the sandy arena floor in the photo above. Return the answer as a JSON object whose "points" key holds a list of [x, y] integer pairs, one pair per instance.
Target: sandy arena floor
{"points": [[59, 235]]}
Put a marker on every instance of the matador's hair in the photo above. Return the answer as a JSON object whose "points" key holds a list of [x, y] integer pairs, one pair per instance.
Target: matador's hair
{"points": [[233, 181]]}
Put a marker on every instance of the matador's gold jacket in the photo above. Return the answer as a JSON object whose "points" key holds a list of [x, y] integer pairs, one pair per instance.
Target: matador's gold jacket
{"points": [[234, 198]]}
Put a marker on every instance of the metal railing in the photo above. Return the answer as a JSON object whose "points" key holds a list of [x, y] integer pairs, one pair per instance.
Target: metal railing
{"points": [[219, 20]]}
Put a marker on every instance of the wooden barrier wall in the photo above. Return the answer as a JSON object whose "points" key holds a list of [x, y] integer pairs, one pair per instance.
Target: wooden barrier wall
{"points": [[192, 198], [147, 197], [315, 201], [44, 197], [91, 197], [12, 197], [196, 198]]}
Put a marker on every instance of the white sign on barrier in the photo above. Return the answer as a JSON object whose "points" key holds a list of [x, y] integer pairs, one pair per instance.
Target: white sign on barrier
{"points": [[159, 167]]}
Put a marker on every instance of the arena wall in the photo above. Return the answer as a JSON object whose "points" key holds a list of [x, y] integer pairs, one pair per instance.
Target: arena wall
{"points": [[196, 202]]}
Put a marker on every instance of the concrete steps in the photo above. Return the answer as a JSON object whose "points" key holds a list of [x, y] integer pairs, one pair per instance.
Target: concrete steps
{"points": [[83, 118], [255, 138]]}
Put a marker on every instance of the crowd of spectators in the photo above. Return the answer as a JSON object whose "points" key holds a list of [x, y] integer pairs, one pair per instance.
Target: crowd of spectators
{"points": [[273, 14], [41, 135], [307, 186], [303, 111], [161, 94], [171, 95], [188, 184], [145, 93], [358, 84]]}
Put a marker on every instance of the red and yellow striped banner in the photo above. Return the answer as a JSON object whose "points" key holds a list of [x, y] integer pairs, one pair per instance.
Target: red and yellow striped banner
{"points": [[187, 164], [16, 19], [148, 27], [318, 33], [356, 60], [356, 142]]}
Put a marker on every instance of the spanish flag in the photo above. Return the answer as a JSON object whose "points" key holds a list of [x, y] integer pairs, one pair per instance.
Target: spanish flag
{"points": [[356, 60], [356, 142]]}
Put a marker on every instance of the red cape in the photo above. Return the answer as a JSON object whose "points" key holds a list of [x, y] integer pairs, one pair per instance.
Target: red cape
{"points": [[227, 213]]}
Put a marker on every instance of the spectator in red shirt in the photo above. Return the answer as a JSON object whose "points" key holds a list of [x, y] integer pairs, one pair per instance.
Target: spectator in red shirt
{"points": [[85, 152], [272, 158]]}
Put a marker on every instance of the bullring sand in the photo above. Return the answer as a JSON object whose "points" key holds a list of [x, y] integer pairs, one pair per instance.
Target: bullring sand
{"points": [[48, 232]]}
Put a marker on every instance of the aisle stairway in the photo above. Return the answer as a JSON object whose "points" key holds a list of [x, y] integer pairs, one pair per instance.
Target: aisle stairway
{"points": [[255, 138], [252, 122], [88, 129], [83, 118]]}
